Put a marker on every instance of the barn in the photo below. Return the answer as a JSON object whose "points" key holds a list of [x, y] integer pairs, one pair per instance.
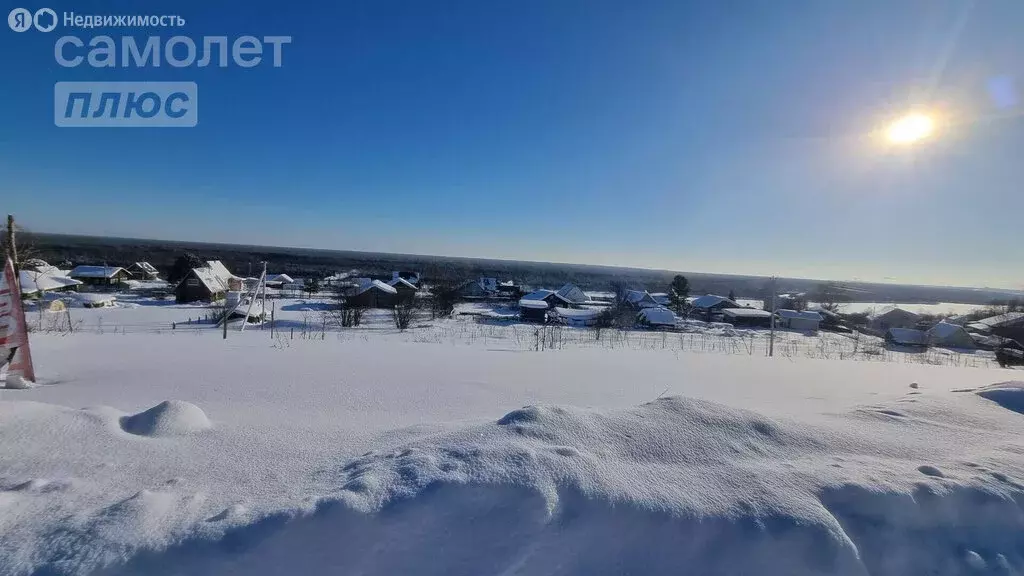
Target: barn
{"points": [[369, 293], [892, 317]]}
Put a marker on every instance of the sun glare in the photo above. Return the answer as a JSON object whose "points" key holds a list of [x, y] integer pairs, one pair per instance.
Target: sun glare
{"points": [[910, 129]]}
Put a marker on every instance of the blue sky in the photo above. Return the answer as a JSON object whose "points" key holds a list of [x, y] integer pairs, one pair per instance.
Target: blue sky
{"points": [[737, 136]]}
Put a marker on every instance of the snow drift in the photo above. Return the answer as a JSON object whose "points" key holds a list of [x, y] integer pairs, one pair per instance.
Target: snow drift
{"points": [[671, 485], [168, 418]]}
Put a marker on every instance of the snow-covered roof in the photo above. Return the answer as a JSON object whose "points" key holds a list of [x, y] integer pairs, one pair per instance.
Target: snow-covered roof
{"points": [[146, 267], [95, 271], [658, 316], [804, 314], [33, 282], [533, 303], [908, 336], [538, 294], [282, 278], [577, 314], [364, 284], [1008, 319], [710, 300], [944, 330], [400, 280], [220, 270], [571, 293], [638, 296], [892, 311], [210, 279], [746, 313]]}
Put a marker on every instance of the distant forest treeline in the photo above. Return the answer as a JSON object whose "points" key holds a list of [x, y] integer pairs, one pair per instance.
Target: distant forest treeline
{"points": [[300, 262]]}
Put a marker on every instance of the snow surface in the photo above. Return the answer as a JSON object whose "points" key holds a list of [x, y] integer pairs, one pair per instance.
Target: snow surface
{"points": [[377, 456]]}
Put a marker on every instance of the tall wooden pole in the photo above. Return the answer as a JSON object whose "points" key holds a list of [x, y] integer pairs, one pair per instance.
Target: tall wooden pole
{"points": [[12, 249]]}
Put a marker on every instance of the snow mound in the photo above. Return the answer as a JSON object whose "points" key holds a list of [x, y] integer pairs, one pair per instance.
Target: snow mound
{"points": [[675, 484], [1009, 395], [168, 418]]}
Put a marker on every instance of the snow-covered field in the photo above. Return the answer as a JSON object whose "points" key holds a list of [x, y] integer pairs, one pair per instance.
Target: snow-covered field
{"points": [[378, 452]]}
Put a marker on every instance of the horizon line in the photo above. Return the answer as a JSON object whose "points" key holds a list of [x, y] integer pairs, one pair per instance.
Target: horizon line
{"points": [[527, 261]]}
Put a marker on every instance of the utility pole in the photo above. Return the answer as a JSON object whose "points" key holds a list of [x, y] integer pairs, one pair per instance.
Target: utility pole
{"points": [[771, 334], [263, 302]]}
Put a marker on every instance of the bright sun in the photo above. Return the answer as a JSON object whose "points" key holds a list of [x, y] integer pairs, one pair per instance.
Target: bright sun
{"points": [[910, 129]]}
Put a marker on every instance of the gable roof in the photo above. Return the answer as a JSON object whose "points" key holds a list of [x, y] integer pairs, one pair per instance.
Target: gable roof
{"points": [[364, 284], [710, 300], [892, 311], [1002, 320], [945, 330], [220, 270], [282, 278], [95, 271], [538, 294], [572, 294], [145, 267], [403, 281], [208, 278], [33, 282], [658, 316], [640, 297]]}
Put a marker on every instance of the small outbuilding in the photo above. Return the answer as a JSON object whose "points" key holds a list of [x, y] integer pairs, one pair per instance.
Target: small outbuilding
{"points": [[656, 318], [577, 316], [747, 317], [805, 320], [533, 309], [907, 337]]}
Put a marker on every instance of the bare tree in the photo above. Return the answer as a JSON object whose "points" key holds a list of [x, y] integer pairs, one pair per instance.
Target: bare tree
{"points": [[404, 312]]}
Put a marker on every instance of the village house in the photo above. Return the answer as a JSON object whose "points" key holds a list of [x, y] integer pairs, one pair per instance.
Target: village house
{"points": [[534, 309], [405, 290], [639, 299], [101, 277], [709, 306], [35, 284], [142, 271], [206, 284], [892, 317], [1009, 325]]}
